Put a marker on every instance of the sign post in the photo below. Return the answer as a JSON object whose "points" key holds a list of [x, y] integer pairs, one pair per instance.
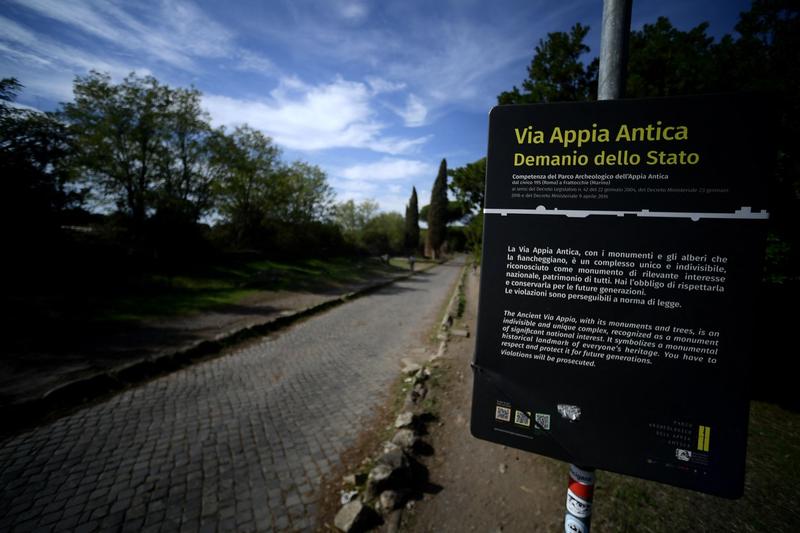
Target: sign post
{"points": [[623, 245], [610, 85], [614, 48], [580, 497]]}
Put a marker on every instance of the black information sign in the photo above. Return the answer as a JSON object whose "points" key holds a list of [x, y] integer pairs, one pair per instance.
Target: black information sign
{"points": [[623, 245]]}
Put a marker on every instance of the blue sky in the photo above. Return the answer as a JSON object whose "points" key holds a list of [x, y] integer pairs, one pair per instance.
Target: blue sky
{"points": [[375, 93]]}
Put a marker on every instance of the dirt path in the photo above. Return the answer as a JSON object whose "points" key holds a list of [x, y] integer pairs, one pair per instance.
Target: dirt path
{"points": [[486, 487], [489, 488]]}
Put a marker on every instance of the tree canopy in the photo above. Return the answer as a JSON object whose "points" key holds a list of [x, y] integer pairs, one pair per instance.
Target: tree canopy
{"points": [[437, 213], [36, 153], [468, 184], [412, 222], [667, 61], [150, 150], [557, 72]]}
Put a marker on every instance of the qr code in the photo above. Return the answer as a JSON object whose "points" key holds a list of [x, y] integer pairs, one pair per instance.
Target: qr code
{"points": [[502, 413], [542, 421], [522, 418]]}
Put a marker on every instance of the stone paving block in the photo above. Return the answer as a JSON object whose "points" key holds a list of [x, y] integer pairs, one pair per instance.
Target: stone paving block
{"points": [[251, 431], [25, 526], [152, 528], [86, 527], [66, 523], [112, 521], [190, 526], [154, 518], [282, 522]]}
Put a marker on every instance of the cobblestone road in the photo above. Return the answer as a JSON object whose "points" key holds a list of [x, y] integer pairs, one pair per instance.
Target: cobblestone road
{"points": [[238, 443]]}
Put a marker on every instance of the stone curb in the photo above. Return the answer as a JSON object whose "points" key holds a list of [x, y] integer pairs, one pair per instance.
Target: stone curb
{"points": [[65, 398], [348, 519], [449, 317]]}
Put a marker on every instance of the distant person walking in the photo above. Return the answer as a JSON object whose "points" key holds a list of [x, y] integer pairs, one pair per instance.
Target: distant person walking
{"points": [[411, 260]]}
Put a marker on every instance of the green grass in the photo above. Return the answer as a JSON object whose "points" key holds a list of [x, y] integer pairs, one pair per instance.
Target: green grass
{"points": [[212, 286], [773, 466], [420, 263]]}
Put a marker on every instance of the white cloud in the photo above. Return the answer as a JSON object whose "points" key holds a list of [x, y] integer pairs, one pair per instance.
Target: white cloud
{"points": [[352, 10], [253, 62], [465, 59], [388, 169], [46, 67], [53, 87], [348, 189], [380, 85], [173, 32], [387, 181], [392, 198], [313, 117], [414, 113]]}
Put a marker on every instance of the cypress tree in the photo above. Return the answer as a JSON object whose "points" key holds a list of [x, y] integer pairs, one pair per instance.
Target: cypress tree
{"points": [[437, 212], [412, 222]]}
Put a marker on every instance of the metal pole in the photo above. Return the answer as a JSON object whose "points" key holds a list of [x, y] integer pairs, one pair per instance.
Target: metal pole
{"points": [[580, 492], [614, 49], [610, 86]]}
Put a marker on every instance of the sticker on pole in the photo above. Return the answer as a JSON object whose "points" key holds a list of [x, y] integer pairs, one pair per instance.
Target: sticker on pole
{"points": [[577, 506], [573, 525]]}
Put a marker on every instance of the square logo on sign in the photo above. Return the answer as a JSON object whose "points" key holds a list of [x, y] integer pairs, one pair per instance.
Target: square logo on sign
{"points": [[522, 418], [542, 421], [502, 413]]}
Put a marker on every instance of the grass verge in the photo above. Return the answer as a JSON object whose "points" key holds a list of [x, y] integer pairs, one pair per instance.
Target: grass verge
{"points": [[625, 504], [213, 286]]}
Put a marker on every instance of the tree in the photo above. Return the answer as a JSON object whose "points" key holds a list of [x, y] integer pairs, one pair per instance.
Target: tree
{"points": [[187, 172], [245, 191], [301, 195], [384, 234], [437, 213], [556, 72], [121, 134], [352, 218], [412, 222], [765, 58], [147, 146], [35, 162], [468, 184], [454, 213], [665, 61]]}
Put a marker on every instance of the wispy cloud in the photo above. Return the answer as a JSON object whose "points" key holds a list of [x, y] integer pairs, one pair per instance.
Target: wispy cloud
{"points": [[388, 169], [380, 85], [47, 66], [465, 59], [414, 113], [253, 62], [338, 114], [393, 197], [387, 181], [352, 10], [446, 54], [174, 33]]}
